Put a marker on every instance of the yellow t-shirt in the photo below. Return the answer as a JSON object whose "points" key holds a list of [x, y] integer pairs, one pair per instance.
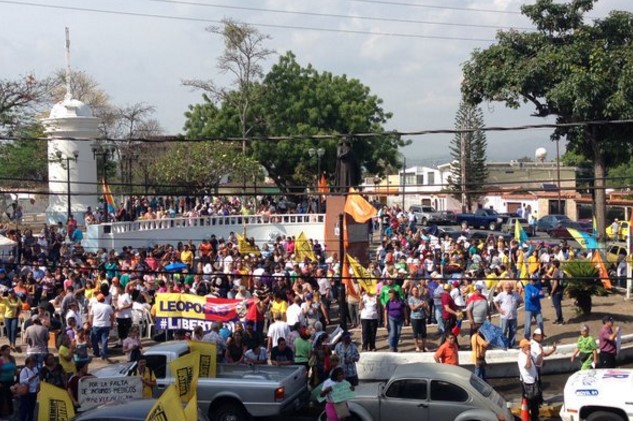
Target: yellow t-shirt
{"points": [[12, 308], [186, 256], [491, 281], [533, 264], [149, 376], [66, 361], [279, 307], [478, 345], [89, 293]]}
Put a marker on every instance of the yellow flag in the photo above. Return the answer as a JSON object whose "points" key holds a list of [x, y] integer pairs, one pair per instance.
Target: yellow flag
{"points": [[167, 407], [303, 248], [185, 371], [191, 409], [365, 278], [208, 357], [54, 404], [245, 247]]}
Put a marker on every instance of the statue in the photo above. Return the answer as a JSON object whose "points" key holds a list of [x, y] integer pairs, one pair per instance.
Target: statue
{"points": [[347, 172]]}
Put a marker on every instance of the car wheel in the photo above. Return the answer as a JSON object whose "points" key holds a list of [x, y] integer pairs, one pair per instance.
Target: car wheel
{"points": [[425, 222], [492, 226], [230, 412], [604, 416]]}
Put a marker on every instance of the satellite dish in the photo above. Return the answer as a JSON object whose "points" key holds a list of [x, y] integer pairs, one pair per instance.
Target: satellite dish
{"points": [[540, 154]]}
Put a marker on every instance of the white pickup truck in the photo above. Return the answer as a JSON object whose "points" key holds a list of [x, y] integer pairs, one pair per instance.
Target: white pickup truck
{"points": [[599, 395], [237, 393]]}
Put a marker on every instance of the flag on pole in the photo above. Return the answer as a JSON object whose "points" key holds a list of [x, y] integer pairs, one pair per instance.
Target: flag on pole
{"points": [[322, 186], [54, 404], [596, 259], [303, 248], [586, 240], [167, 407], [245, 247], [109, 200], [185, 370], [358, 208], [207, 366], [519, 233], [366, 280]]}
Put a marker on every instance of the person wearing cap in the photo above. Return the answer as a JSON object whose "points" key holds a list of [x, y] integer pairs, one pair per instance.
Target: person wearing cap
{"points": [[477, 308], [12, 307], [529, 379], [586, 349], [538, 352], [607, 338], [36, 337], [101, 318], [349, 356], [533, 294]]}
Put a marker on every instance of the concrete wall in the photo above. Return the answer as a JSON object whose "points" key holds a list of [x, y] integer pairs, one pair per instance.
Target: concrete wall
{"points": [[147, 233]]}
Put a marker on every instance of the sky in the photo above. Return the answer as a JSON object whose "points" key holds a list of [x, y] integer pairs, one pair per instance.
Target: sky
{"points": [[408, 52]]}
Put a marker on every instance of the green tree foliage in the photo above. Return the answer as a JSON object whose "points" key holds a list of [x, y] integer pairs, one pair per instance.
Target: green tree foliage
{"points": [[468, 152], [24, 162], [574, 71], [301, 101]]}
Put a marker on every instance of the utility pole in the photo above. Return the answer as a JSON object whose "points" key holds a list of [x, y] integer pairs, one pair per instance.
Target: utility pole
{"points": [[462, 147], [560, 207], [404, 175]]}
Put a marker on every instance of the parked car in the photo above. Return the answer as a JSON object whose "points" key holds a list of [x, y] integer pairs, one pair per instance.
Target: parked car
{"points": [[598, 395], [614, 251], [548, 222], [425, 392], [135, 410], [623, 232], [483, 235], [482, 218], [427, 215], [237, 393], [449, 217], [560, 230], [509, 225]]}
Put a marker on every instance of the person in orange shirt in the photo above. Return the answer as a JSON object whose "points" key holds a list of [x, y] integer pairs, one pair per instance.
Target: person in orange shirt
{"points": [[448, 352]]}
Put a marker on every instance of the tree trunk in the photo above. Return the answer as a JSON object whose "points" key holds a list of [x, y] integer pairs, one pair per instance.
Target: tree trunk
{"points": [[600, 198]]}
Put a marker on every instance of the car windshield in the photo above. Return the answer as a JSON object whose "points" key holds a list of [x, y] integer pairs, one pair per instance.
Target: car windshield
{"points": [[482, 387]]}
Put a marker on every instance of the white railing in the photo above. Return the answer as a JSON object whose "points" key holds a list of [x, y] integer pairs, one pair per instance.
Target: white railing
{"points": [[213, 221]]}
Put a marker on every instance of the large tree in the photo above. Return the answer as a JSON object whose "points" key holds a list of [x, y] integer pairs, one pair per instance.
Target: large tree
{"points": [[569, 69], [302, 102], [468, 153]]}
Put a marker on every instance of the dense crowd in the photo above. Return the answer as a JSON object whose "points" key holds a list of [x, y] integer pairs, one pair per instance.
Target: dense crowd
{"points": [[50, 284]]}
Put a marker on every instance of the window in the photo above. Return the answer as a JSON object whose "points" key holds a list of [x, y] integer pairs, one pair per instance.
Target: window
{"points": [[445, 391], [419, 179], [481, 386], [407, 389], [430, 177], [158, 364]]}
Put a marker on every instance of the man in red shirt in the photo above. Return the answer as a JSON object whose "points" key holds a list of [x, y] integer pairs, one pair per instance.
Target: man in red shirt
{"points": [[449, 312], [608, 349]]}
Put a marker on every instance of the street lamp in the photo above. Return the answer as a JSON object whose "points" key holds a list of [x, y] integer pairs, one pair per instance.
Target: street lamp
{"points": [[103, 150], [319, 152], [61, 157]]}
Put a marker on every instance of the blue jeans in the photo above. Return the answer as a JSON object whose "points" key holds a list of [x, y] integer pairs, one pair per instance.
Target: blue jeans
{"points": [[529, 315], [438, 318], [12, 329], [100, 334], [27, 407], [480, 371], [395, 327], [557, 300], [509, 327]]}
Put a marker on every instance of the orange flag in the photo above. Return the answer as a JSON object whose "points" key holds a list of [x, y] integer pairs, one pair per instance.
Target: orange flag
{"points": [[322, 186], [358, 208], [346, 278], [596, 259]]}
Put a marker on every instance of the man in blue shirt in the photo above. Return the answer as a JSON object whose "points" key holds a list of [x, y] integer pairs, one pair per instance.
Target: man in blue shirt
{"points": [[533, 295]]}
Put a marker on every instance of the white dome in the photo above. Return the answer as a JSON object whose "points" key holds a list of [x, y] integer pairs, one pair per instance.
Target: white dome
{"points": [[70, 108], [540, 154]]}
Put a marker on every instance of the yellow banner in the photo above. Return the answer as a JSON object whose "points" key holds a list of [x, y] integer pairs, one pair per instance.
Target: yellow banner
{"points": [[185, 371], [167, 407], [54, 404], [191, 409], [366, 279], [303, 249], [245, 247], [208, 357]]}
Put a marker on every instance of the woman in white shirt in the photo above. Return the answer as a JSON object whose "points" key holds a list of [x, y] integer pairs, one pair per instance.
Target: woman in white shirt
{"points": [[369, 319], [29, 376]]}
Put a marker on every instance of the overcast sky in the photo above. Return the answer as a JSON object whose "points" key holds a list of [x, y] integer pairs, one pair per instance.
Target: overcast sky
{"points": [[416, 71]]}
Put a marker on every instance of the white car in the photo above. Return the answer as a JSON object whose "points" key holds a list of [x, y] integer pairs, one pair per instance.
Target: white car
{"points": [[599, 395]]}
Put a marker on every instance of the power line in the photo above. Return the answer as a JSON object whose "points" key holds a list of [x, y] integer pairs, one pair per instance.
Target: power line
{"points": [[367, 135], [334, 15], [263, 25], [429, 6]]}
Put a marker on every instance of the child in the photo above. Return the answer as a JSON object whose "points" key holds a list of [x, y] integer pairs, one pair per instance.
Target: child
{"points": [[335, 411]]}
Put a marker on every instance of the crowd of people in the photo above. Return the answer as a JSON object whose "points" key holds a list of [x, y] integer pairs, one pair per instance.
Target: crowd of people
{"points": [[50, 284]]}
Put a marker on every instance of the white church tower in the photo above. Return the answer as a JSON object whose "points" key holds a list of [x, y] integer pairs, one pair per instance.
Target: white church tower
{"points": [[72, 170]]}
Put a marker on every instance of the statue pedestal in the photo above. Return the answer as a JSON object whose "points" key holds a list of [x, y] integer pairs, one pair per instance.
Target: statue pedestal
{"points": [[357, 234]]}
